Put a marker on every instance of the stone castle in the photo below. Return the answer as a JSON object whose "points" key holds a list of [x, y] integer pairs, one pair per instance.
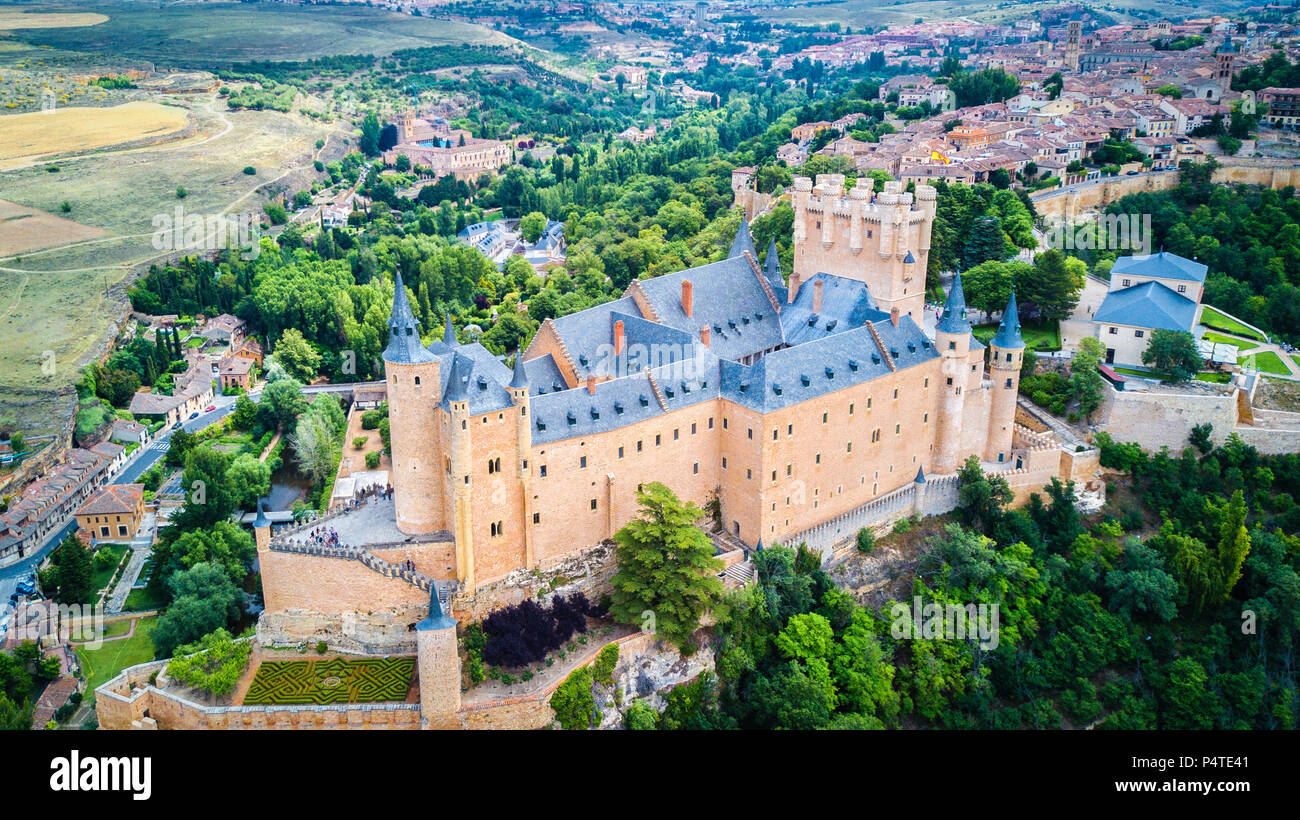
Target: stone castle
{"points": [[790, 405], [796, 413]]}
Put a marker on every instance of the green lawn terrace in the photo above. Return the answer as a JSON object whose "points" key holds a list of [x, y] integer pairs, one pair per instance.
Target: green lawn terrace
{"points": [[1044, 337], [1216, 319]]}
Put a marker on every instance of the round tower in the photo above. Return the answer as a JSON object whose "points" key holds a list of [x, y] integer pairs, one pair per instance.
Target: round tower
{"points": [[414, 390], [462, 506], [952, 339], [439, 665], [1006, 353], [524, 446]]}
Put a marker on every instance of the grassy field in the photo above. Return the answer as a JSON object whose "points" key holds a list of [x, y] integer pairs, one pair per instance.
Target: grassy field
{"points": [[214, 34], [63, 300], [25, 137], [141, 600], [103, 576], [101, 664], [12, 18], [1210, 317], [23, 230], [1267, 361]]}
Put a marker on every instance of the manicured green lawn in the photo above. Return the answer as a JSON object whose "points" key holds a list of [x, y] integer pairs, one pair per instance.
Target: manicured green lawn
{"points": [[1211, 317], [1295, 359], [1213, 376], [1044, 337], [1220, 339], [1267, 361], [103, 576], [99, 665], [141, 600]]}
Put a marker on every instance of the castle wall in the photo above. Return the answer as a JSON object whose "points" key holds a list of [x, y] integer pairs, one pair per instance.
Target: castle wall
{"points": [[1164, 419]]}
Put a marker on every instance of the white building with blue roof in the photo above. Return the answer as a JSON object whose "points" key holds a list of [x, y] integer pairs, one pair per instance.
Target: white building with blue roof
{"points": [[1160, 291]]}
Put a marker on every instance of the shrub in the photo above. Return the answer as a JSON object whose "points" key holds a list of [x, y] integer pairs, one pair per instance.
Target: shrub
{"points": [[573, 702], [640, 717], [866, 540], [250, 170], [370, 419], [603, 668], [321, 647], [214, 663], [372, 460], [526, 632], [359, 442]]}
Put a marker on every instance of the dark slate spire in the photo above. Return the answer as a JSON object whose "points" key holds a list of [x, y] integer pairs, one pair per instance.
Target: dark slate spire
{"points": [[449, 333], [436, 619], [261, 520], [743, 241], [404, 345], [920, 475], [954, 318], [520, 378], [772, 264], [1009, 329], [456, 381]]}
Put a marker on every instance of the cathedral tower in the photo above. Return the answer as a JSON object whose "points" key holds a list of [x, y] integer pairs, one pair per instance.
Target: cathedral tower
{"points": [[414, 390], [1006, 353], [952, 339], [1072, 36]]}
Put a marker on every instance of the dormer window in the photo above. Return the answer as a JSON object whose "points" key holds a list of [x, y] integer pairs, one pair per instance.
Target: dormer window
{"points": [[572, 419], [595, 414], [776, 388], [830, 373], [644, 401], [853, 365], [803, 379], [618, 407]]}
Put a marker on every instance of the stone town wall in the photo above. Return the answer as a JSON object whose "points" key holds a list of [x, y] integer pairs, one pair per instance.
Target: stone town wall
{"points": [[1164, 419]]}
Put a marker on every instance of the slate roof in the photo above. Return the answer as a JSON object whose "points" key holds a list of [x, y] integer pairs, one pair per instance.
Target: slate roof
{"points": [[1162, 265], [954, 318], [744, 241], [404, 345], [728, 298], [846, 304], [1150, 305], [1008, 335]]}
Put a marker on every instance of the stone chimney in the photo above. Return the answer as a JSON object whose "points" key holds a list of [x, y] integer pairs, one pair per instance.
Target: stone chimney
{"points": [[618, 337], [688, 297], [817, 295], [591, 383], [893, 315], [705, 333]]}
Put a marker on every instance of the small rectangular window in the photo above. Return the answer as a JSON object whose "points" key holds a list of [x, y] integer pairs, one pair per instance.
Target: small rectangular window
{"points": [[537, 518], [542, 471], [582, 462], [593, 503]]}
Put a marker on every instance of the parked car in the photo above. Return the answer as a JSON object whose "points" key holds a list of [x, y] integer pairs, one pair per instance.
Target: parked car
{"points": [[194, 415], [178, 425], [209, 408], [26, 586]]}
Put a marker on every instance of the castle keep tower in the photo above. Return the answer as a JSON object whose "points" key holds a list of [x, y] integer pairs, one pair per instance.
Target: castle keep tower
{"points": [[524, 445], [1006, 352], [883, 241], [952, 339], [461, 475], [414, 390]]}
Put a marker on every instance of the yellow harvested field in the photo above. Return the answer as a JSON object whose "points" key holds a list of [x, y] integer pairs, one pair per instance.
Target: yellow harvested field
{"points": [[24, 229], [24, 137], [12, 18]]}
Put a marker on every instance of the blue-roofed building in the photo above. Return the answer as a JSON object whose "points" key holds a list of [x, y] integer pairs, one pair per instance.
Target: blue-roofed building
{"points": [[500, 239], [1160, 291]]}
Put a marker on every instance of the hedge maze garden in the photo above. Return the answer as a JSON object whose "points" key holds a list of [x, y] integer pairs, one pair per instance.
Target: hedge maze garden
{"points": [[337, 680]]}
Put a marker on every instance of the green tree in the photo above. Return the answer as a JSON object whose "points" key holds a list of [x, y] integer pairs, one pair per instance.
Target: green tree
{"points": [[531, 226], [297, 355], [250, 479], [666, 569], [1174, 353], [1086, 384], [370, 131], [983, 497]]}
